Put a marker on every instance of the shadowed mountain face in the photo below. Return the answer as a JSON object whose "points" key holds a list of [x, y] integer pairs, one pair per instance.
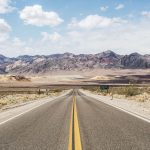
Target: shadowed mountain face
{"points": [[136, 60], [68, 61]]}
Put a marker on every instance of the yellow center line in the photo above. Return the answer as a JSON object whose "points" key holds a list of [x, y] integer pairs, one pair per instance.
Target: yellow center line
{"points": [[76, 128], [74, 133]]}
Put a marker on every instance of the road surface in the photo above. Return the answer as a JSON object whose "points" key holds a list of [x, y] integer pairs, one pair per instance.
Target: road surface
{"points": [[75, 122]]}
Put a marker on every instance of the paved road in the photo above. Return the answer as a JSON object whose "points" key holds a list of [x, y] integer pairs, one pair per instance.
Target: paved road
{"points": [[45, 128], [102, 127]]}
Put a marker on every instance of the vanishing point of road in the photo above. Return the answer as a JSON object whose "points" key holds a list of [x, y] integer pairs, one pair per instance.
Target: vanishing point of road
{"points": [[75, 122]]}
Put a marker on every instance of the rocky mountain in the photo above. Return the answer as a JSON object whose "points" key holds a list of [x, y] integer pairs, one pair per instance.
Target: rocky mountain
{"points": [[136, 60], [57, 62]]}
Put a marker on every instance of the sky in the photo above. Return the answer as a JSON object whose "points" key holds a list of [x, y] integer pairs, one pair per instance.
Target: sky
{"points": [[44, 27]]}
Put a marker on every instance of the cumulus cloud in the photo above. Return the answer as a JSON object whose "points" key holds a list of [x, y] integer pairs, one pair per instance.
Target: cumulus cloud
{"points": [[35, 15], [51, 37], [119, 6], [145, 13], [104, 8], [104, 34], [5, 28], [14, 46], [96, 21], [123, 40], [17, 42], [5, 6]]}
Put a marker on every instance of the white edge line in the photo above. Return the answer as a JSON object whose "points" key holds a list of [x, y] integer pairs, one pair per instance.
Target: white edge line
{"points": [[22, 113], [129, 112], [29, 110], [122, 109]]}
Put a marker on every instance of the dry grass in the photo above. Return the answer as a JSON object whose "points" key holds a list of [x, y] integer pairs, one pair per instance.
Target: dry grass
{"points": [[8, 99], [140, 94], [127, 91], [18, 98]]}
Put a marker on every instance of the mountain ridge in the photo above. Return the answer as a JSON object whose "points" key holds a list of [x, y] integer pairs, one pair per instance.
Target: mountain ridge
{"points": [[26, 64]]}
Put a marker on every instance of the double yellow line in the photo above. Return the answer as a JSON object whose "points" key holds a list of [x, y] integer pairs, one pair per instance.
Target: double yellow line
{"points": [[74, 133]]}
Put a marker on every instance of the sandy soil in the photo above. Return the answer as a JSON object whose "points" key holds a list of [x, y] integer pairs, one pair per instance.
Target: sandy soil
{"points": [[56, 78], [102, 78], [76, 76]]}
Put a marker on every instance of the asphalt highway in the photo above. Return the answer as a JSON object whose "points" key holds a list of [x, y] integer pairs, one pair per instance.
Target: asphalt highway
{"points": [[103, 127], [75, 122]]}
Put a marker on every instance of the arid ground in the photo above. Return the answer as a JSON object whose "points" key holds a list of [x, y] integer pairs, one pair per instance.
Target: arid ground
{"points": [[136, 76]]}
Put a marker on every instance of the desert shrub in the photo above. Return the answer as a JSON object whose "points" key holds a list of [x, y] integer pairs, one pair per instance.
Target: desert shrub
{"points": [[127, 91], [57, 90], [131, 91], [39, 91], [91, 88]]}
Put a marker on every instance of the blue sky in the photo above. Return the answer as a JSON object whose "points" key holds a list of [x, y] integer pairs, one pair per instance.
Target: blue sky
{"points": [[82, 26]]}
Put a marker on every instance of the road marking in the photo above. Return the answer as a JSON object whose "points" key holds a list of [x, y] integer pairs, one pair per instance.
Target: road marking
{"points": [[23, 113], [70, 131], [74, 135], [76, 128], [129, 112]]}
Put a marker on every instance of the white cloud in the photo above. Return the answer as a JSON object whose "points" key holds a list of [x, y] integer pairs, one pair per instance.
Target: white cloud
{"points": [[51, 37], [96, 21], [4, 30], [123, 40], [5, 6], [35, 15], [17, 42], [130, 15], [145, 13], [119, 6], [4, 27], [104, 8], [13, 47]]}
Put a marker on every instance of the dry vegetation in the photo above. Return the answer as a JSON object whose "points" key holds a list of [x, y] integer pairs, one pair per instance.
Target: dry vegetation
{"points": [[13, 97], [131, 92]]}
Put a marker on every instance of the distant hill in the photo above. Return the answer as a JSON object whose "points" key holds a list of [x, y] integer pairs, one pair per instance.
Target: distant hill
{"points": [[70, 62]]}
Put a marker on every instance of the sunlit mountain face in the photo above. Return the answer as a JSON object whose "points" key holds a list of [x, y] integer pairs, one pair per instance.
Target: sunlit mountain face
{"points": [[70, 62]]}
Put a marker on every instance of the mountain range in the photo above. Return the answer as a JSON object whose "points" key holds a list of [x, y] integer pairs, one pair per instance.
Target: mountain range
{"points": [[70, 62]]}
